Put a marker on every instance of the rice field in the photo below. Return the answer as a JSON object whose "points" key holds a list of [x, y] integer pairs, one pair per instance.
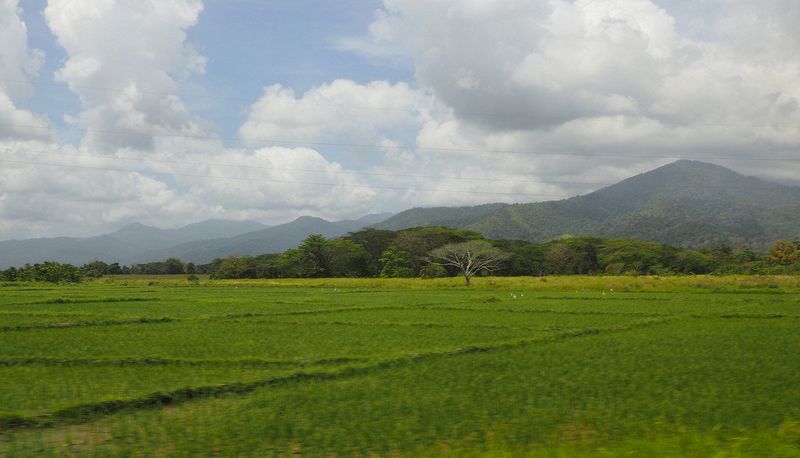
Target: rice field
{"points": [[557, 366]]}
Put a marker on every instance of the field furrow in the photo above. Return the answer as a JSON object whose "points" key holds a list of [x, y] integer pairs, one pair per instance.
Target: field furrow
{"points": [[86, 412], [410, 368]]}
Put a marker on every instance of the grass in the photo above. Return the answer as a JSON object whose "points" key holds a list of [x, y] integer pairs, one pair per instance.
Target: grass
{"points": [[564, 366]]}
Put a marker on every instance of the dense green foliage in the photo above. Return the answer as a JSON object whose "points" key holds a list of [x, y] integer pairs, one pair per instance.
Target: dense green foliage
{"points": [[407, 253], [365, 253], [687, 204], [52, 272], [55, 272], [557, 366]]}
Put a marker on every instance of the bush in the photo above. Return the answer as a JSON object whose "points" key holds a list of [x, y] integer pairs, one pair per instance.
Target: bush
{"points": [[433, 271], [396, 264], [52, 272]]}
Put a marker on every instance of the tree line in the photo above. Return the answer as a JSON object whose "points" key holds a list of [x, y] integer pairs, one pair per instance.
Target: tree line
{"points": [[417, 252], [413, 253]]}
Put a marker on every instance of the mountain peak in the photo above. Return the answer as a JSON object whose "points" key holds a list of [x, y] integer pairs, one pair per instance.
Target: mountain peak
{"points": [[695, 167], [686, 203], [681, 180]]}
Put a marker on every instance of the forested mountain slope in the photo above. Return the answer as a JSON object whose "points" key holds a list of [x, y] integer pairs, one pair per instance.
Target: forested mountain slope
{"points": [[686, 203]]}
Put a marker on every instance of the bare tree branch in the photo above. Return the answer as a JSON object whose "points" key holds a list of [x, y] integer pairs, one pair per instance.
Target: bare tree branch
{"points": [[469, 257]]}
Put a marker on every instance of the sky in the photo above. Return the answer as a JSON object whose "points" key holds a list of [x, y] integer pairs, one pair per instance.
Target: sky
{"points": [[168, 112]]}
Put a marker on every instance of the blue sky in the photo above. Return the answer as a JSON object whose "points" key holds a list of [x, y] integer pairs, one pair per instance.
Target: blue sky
{"points": [[285, 41], [167, 113], [249, 44], [51, 97]]}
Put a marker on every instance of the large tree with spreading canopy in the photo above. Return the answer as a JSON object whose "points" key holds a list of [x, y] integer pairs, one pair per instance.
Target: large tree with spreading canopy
{"points": [[469, 257]]}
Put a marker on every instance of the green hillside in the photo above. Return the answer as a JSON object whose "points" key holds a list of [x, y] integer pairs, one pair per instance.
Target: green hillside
{"points": [[686, 203]]}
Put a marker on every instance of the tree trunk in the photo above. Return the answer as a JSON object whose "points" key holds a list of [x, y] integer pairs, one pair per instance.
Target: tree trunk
{"points": [[466, 277]]}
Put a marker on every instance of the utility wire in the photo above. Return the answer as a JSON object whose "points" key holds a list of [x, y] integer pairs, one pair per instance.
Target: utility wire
{"points": [[272, 180], [145, 160], [270, 142], [351, 107]]}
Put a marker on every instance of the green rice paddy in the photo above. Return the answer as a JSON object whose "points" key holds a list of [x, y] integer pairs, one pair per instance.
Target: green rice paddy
{"points": [[564, 366]]}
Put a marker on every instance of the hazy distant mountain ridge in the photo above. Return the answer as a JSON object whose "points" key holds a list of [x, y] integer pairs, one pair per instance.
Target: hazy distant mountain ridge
{"points": [[275, 239], [686, 203], [198, 242], [148, 237], [118, 246]]}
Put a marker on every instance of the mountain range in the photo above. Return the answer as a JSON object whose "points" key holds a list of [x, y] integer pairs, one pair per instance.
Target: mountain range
{"points": [[274, 239], [199, 242], [686, 203]]}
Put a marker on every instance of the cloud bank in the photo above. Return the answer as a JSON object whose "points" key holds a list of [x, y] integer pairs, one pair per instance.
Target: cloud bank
{"points": [[511, 101]]}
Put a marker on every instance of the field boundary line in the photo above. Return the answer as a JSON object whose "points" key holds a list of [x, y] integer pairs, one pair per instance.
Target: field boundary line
{"points": [[122, 362], [746, 316], [418, 324], [86, 412], [430, 307], [45, 314], [616, 296], [84, 324], [302, 312], [548, 311], [95, 300], [234, 316]]}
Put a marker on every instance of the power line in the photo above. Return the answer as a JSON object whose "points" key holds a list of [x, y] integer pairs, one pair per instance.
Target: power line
{"points": [[271, 142], [249, 100], [272, 180], [352, 107], [145, 160]]}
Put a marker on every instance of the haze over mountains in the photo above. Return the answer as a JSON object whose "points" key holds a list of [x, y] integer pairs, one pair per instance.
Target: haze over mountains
{"points": [[118, 246], [199, 242], [686, 203], [274, 239]]}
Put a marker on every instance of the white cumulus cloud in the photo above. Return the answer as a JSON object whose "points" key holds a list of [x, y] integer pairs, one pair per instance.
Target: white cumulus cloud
{"points": [[144, 156], [619, 82], [18, 63], [520, 100], [341, 110], [124, 57]]}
